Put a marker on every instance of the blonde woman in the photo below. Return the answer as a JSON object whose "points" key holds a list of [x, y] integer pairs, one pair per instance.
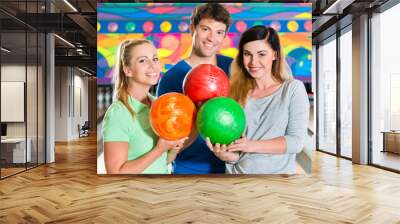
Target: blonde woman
{"points": [[130, 145], [275, 104]]}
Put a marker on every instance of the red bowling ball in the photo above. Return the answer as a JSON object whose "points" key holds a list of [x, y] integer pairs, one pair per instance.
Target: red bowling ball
{"points": [[204, 82]]}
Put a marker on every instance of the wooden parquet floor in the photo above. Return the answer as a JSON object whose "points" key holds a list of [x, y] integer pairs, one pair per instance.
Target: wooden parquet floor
{"points": [[70, 191]]}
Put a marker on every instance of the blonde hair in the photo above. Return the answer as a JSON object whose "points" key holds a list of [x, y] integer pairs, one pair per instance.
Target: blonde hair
{"points": [[241, 80], [121, 80]]}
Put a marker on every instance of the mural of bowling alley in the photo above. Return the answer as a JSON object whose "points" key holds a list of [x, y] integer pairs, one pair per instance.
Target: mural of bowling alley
{"points": [[167, 26]]}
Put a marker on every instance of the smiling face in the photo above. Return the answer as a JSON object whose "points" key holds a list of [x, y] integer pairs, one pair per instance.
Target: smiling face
{"points": [[144, 67], [208, 36], [258, 57]]}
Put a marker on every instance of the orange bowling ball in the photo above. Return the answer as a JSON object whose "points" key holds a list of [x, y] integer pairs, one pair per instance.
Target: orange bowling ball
{"points": [[172, 116]]}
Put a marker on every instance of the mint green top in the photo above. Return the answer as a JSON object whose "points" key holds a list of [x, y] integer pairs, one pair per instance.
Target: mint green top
{"points": [[119, 126]]}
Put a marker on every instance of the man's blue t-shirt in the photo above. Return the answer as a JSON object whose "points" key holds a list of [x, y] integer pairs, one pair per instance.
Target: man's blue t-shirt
{"points": [[197, 158]]}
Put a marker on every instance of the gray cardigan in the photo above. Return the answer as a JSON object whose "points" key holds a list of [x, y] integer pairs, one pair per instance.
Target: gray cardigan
{"points": [[283, 113]]}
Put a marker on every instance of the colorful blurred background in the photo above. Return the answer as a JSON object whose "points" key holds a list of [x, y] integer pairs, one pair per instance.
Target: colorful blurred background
{"points": [[167, 26]]}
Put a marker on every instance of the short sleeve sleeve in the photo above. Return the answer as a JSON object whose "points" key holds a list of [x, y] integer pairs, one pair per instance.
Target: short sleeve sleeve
{"points": [[166, 84], [116, 124]]}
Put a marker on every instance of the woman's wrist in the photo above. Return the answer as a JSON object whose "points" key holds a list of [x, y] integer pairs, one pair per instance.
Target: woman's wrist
{"points": [[251, 146], [159, 149], [233, 160]]}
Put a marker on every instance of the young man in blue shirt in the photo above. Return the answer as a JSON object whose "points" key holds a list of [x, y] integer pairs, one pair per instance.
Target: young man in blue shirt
{"points": [[209, 25]]}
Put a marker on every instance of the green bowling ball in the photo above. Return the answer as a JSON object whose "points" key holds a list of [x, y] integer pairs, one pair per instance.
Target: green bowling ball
{"points": [[221, 119]]}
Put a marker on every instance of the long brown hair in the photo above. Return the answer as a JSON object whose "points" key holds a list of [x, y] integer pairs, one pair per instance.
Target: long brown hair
{"points": [[241, 80], [122, 81]]}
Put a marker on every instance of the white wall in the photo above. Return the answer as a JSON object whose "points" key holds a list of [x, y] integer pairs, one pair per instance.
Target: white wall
{"points": [[14, 73], [70, 83], [61, 103], [80, 83], [34, 125]]}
